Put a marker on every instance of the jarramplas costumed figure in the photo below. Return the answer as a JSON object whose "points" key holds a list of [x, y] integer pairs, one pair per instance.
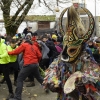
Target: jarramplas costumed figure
{"points": [[74, 75]]}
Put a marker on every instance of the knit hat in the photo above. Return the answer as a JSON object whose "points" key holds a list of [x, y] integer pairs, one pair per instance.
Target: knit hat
{"points": [[54, 37]]}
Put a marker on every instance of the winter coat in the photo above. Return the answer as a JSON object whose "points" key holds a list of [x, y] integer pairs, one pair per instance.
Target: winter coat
{"points": [[45, 50], [31, 54], [13, 58], [53, 51], [4, 57]]}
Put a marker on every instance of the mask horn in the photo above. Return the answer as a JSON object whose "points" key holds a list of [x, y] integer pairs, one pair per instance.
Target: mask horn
{"points": [[91, 25], [60, 21]]}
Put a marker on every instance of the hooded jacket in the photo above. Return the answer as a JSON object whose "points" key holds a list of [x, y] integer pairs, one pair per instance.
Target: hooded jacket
{"points": [[53, 51], [45, 50], [4, 57], [31, 54]]}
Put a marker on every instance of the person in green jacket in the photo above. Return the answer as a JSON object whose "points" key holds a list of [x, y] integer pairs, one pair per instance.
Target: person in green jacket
{"points": [[4, 61], [13, 64]]}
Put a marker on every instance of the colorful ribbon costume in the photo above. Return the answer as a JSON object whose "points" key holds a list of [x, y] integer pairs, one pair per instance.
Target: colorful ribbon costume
{"points": [[73, 75]]}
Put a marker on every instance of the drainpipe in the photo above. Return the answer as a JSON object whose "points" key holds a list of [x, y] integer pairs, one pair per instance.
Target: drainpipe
{"points": [[95, 19]]}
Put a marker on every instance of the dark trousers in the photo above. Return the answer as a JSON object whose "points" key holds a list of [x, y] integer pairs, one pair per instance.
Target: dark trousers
{"points": [[15, 67], [31, 77], [25, 72], [5, 71], [44, 64]]}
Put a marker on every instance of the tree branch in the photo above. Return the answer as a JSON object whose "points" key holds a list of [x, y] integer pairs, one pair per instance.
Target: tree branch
{"points": [[16, 5], [6, 10], [39, 1], [57, 2], [21, 18], [19, 3], [1, 5], [7, 2], [47, 5], [66, 1], [19, 10]]}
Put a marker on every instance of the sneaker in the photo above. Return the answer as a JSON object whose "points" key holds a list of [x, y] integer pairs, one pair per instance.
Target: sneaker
{"points": [[31, 84], [11, 95]]}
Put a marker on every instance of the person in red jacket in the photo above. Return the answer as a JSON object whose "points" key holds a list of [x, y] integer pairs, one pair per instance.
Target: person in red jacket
{"points": [[31, 57]]}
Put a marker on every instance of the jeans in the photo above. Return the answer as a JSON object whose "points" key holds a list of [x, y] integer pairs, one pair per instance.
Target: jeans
{"points": [[5, 70], [25, 72]]}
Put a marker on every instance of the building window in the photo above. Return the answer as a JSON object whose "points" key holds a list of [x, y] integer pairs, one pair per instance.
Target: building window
{"points": [[43, 25]]}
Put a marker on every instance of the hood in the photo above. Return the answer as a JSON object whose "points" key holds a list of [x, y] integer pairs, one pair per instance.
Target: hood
{"points": [[45, 49], [41, 43]]}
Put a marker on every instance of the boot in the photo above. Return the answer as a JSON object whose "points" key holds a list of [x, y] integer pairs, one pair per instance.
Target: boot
{"points": [[2, 81], [11, 95], [27, 80], [46, 91], [31, 84]]}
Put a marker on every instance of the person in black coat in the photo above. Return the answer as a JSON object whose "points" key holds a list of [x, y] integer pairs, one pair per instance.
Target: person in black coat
{"points": [[50, 44]]}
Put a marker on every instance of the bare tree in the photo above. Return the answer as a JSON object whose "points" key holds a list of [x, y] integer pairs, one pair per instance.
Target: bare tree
{"points": [[12, 23], [23, 6]]}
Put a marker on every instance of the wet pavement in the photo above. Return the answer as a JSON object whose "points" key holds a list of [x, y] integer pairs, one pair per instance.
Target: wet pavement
{"points": [[29, 93]]}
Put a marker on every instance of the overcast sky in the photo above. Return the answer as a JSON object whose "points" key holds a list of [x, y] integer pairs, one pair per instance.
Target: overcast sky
{"points": [[42, 10], [93, 5]]}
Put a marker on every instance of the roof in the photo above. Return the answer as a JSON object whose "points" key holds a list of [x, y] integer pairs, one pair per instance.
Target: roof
{"points": [[40, 18]]}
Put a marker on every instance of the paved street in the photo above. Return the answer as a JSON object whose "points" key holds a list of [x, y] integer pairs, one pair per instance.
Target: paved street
{"points": [[30, 93]]}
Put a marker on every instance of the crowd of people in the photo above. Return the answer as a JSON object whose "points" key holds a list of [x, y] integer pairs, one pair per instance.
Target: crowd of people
{"points": [[24, 55]]}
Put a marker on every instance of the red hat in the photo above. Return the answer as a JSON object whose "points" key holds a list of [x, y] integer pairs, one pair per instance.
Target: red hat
{"points": [[33, 38]]}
